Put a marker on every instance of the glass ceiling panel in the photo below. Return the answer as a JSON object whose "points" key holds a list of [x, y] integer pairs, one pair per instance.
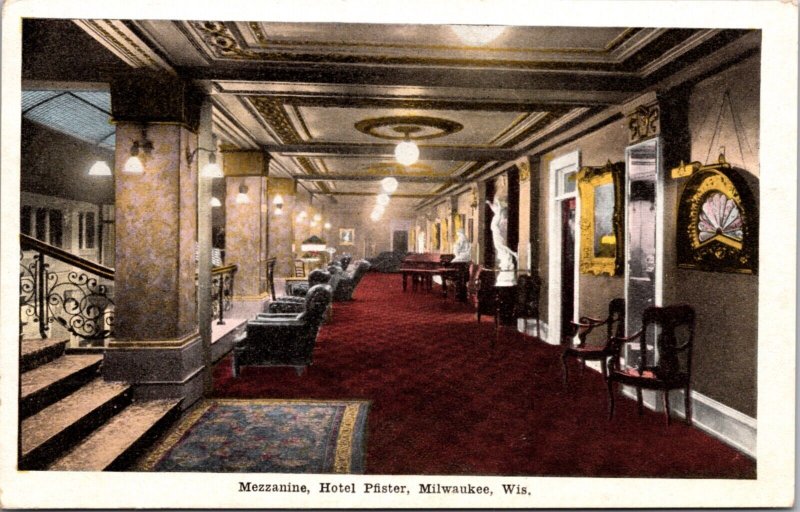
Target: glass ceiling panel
{"points": [[31, 98], [84, 115]]}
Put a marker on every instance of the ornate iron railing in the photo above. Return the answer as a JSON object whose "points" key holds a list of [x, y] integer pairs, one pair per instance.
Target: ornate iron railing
{"points": [[78, 301], [222, 291]]}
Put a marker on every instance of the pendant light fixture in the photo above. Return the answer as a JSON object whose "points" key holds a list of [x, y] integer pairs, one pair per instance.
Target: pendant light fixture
{"points": [[100, 168], [389, 185], [407, 153]]}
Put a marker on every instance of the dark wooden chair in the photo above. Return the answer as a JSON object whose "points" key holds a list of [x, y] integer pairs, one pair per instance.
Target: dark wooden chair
{"points": [[299, 268], [527, 304], [673, 368], [271, 277], [583, 351], [483, 296]]}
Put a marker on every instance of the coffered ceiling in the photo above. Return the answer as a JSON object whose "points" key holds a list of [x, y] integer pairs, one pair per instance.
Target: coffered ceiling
{"points": [[330, 101]]}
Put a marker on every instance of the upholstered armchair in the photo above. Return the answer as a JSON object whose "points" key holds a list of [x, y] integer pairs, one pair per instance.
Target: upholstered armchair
{"points": [[284, 339], [295, 303], [347, 282]]}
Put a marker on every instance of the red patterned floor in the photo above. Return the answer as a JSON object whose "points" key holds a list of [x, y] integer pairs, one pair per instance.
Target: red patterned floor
{"points": [[445, 402]]}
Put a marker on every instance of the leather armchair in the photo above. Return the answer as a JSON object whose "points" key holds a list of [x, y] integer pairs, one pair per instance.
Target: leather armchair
{"points": [[348, 282], [283, 339], [295, 303]]}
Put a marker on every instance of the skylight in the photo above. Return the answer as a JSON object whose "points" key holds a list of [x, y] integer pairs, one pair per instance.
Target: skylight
{"points": [[85, 115]]}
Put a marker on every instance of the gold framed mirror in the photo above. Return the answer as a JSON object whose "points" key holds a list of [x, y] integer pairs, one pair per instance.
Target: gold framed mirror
{"points": [[602, 222]]}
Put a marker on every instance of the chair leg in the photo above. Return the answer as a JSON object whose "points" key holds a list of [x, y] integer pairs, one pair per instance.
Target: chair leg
{"points": [[687, 404], [566, 370], [666, 406], [538, 334], [610, 384], [235, 367], [639, 400]]}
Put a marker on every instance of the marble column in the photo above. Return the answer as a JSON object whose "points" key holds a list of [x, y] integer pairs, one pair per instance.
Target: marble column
{"points": [[246, 229], [156, 344], [281, 227]]}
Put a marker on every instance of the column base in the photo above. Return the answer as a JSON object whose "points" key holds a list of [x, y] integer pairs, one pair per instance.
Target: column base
{"points": [[158, 369]]}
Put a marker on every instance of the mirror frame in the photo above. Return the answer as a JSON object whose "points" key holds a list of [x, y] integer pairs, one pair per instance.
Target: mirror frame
{"points": [[589, 178]]}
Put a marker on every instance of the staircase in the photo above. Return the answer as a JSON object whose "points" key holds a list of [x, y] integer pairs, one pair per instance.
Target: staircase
{"points": [[73, 420]]}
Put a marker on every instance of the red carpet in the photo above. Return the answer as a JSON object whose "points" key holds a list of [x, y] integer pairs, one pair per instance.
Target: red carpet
{"points": [[445, 402]]}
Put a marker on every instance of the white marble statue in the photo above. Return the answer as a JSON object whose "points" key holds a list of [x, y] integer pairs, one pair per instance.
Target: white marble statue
{"points": [[506, 258], [462, 247]]}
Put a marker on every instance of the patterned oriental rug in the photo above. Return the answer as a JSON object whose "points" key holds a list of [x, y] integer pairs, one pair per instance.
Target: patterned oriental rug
{"points": [[265, 436]]}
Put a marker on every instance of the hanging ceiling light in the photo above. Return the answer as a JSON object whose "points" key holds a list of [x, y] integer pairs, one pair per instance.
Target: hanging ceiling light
{"points": [[215, 203], [134, 165], [407, 153], [327, 225], [100, 168], [317, 217], [383, 199], [376, 215], [477, 35], [242, 197], [389, 185]]}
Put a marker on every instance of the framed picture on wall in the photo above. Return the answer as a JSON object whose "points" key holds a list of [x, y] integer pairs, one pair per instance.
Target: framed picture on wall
{"points": [[346, 236]]}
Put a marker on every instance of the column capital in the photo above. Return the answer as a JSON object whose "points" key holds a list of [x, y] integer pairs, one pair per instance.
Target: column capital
{"points": [[644, 117], [245, 162], [149, 98]]}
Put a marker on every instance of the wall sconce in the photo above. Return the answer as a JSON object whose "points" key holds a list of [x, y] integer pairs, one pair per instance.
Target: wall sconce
{"points": [[215, 203], [100, 168], [242, 197], [211, 169], [278, 202], [134, 165]]}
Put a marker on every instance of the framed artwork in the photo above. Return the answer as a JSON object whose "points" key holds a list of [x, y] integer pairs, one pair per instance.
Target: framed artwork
{"points": [[602, 219], [717, 222], [347, 236]]}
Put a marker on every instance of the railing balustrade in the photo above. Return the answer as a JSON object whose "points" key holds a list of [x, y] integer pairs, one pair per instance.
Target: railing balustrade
{"points": [[57, 287], [222, 291], [80, 302]]}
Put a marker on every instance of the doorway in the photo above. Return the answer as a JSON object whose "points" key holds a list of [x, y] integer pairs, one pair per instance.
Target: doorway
{"points": [[400, 242], [562, 270], [567, 264]]}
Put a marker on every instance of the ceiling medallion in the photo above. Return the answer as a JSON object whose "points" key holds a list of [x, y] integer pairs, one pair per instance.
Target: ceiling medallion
{"points": [[408, 127]]}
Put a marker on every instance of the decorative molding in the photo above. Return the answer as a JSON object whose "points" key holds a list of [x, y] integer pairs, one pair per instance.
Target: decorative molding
{"points": [[407, 127], [524, 166], [122, 42], [643, 123], [730, 426]]}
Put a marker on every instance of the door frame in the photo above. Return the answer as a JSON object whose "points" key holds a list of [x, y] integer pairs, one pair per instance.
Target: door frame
{"points": [[566, 163]]}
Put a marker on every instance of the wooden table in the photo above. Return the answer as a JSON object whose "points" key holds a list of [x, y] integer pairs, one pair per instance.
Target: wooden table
{"points": [[424, 277]]}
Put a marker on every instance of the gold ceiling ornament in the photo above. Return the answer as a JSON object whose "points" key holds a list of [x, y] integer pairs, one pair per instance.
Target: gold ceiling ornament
{"points": [[273, 113], [396, 169], [643, 122], [524, 166], [408, 127], [221, 40]]}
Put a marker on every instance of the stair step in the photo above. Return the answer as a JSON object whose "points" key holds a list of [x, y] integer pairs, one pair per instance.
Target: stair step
{"points": [[36, 352], [116, 444], [50, 432], [53, 381]]}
